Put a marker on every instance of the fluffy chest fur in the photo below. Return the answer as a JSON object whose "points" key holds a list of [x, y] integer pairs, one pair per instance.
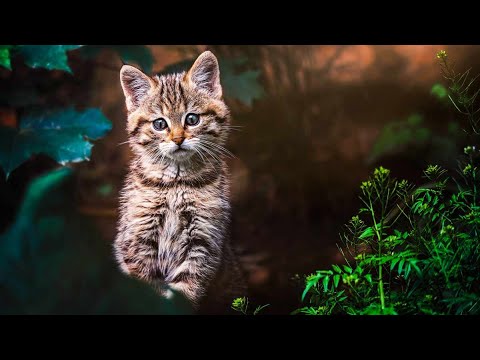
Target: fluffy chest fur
{"points": [[167, 225]]}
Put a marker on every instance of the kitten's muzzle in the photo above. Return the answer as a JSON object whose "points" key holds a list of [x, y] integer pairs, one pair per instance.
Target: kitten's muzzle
{"points": [[178, 140]]}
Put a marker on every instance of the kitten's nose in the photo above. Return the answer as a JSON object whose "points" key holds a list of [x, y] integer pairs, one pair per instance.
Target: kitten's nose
{"points": [[178, 140]]}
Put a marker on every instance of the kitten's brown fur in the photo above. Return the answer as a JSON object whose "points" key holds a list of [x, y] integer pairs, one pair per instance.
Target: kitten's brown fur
{"points": [[174, 207]]}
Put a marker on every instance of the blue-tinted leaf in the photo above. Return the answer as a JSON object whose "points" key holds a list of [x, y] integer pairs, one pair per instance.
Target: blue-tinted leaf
{"points": [[243, 86], [51, 57], [130, 54], [63, 135]]}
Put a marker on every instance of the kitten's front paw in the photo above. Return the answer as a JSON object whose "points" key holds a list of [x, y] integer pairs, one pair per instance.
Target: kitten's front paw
{"points": [[168, 294], [175, 293]]}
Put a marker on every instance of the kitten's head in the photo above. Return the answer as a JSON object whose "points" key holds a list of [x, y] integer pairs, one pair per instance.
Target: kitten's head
{"points": [[178, 118]]}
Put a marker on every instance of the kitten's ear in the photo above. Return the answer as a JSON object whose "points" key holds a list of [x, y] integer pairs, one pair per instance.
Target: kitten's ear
{"points": [[205, 74], [135, 85]]}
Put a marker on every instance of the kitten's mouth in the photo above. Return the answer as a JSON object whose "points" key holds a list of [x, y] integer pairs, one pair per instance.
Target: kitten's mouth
{"points": [[181, 153]]}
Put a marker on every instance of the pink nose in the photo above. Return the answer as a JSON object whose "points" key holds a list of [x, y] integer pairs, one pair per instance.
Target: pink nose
{"points": [[178, 140]]}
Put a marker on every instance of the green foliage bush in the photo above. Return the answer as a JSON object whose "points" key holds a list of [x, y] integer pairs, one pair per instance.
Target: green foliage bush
{"points": [[411, 250]]}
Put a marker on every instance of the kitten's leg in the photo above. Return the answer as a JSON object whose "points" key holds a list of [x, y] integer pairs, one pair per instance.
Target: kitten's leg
{"points": [[193, 276], [229, 284], [137, 257], [119, 252]]}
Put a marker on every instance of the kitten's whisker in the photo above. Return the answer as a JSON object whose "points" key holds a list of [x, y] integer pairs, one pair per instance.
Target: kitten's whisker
{"points": [[204, 158], [209, 152], [164, 153], [223, 150], [155, 155], [235, 128], [220, 149], [206, 155], [213, 154], [125, 142], [199, 153]]}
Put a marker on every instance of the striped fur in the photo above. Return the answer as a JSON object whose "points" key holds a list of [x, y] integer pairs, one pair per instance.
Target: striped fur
{"points": [[174, 207]]}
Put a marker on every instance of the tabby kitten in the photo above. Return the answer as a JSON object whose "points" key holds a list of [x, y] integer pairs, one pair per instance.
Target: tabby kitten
{"points": [[174, 207]]}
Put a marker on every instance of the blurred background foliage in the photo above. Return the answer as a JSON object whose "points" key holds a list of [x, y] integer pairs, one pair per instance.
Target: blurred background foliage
{"points": [[314, 121]]}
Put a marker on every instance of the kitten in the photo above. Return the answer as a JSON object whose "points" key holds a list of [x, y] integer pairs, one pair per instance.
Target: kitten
{"points": [[174, 206]]}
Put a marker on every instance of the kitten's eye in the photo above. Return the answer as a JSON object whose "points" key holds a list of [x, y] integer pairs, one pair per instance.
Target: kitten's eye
{"points": [[159, 124], [192, 119]]}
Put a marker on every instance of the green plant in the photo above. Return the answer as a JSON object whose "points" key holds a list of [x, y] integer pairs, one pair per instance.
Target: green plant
{"points": [[461, 92], [241, 305], [410, 250], [407, 252]]}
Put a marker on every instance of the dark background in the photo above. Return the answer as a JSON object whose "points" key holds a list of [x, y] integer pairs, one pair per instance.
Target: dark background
{"points": [[302, 150]]}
